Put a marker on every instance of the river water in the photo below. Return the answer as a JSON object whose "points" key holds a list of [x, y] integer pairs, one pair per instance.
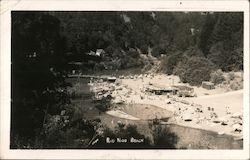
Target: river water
{"points": [[187, 138], [192, 138]]}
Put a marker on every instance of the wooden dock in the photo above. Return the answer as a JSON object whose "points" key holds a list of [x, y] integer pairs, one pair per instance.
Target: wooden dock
{"points": [[104, 77]]}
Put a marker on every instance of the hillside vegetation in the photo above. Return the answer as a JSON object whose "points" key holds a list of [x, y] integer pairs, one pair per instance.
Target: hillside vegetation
{"points": [[176, 37]]}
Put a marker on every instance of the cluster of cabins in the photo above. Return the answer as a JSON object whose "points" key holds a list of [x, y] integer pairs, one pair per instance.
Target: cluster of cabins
{"points": [[180, 90]]}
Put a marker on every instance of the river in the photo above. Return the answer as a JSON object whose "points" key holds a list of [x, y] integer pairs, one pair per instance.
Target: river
{"points": [[187, 138]]}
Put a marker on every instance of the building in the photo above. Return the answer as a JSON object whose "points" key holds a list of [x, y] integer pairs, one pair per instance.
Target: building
{"points": [[111, 79], [207, 85], [99, 52], [161, 90], [184, 91], [94, 56]]}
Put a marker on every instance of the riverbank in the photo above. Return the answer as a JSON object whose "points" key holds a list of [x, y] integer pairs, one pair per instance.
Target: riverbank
{"points": [[214, 110]]}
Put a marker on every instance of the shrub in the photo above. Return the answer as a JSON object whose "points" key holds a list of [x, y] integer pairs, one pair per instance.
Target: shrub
{"points": [[74, 134], [144, 49], [170, 62], [156, 51], [194, 70], [217, 77], [130, 59], [104, 104], [230, 76], [133, 53], [163, 137], [236, 85]]}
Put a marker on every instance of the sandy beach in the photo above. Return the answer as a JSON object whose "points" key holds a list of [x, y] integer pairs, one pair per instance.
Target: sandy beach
{"points": [[214, 110]]}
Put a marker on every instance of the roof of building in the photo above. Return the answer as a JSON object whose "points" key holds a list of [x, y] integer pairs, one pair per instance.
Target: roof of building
{"points": [[99, 52], [153, 87], [182, 87], [207, 83]]}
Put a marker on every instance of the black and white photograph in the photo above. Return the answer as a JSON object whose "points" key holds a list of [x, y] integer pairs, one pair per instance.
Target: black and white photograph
{"points": [[127, 80]]}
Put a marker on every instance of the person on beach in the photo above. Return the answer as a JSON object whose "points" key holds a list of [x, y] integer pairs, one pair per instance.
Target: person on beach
{"points": [[227, 110]]}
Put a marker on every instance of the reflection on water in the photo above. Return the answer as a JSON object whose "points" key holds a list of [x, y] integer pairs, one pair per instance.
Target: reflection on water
{"points": [[192, 138], [145, 111]]}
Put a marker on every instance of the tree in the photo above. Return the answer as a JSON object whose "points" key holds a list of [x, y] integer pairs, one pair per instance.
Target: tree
{"points": [[227, 60], [226, 42], [171, 61], [38, 71], [226, 25], [217, 77], [207, 30], [194, 70]]}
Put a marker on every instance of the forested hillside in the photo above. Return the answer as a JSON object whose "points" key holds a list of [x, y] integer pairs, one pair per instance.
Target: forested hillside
{"points": [[217, 37]]}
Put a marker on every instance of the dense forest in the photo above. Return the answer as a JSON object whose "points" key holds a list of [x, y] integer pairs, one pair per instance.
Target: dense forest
{"points": [[210, 35], [190, 45], [177, 38]]}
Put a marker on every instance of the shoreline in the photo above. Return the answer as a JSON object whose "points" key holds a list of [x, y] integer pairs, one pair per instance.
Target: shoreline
{"points": [[131, 90], [188, 124]]}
